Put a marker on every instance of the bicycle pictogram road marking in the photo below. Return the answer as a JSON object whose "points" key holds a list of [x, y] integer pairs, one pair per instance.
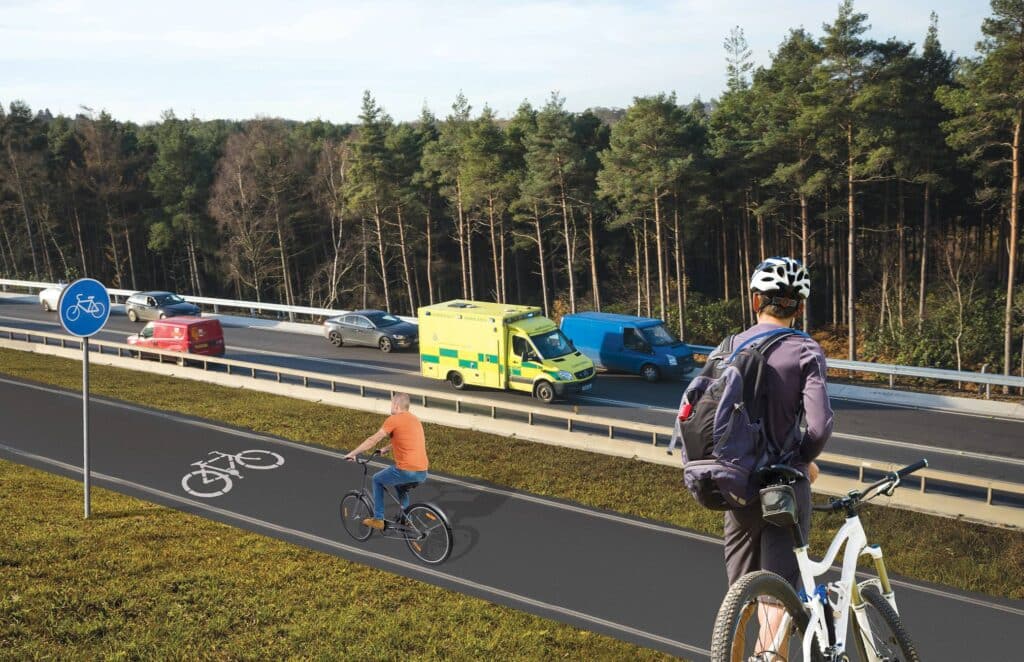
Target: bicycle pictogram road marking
{"points": [[215, 475]]}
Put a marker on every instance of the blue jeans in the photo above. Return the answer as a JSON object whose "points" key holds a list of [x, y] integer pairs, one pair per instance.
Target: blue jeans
{"points": [[393, 476]]}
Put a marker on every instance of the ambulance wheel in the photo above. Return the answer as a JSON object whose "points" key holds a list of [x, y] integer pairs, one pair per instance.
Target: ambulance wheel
{"points": [[650, 372], [456, 380], [544, 392]]}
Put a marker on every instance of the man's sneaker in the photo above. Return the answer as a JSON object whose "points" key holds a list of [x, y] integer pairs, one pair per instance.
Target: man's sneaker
{"points": [[374, 523]]}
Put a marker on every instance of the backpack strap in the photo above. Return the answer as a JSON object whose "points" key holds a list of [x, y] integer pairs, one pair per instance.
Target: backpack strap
{"points": [[765, 340]]}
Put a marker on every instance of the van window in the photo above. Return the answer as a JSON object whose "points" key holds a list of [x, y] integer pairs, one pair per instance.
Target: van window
{"points": [[519, 346], [631, 339], [659, 336], [147, 331]]}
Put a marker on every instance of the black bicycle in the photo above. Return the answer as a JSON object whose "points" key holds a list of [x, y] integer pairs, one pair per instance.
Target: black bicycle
{"points": [[423, 526]]}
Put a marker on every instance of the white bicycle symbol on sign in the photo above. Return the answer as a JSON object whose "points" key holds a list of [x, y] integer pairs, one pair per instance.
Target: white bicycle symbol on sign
{"points": [[87, 305], [210, 480]]}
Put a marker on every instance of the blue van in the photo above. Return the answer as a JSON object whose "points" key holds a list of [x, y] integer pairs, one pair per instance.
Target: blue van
{"points": [[623, 343]]}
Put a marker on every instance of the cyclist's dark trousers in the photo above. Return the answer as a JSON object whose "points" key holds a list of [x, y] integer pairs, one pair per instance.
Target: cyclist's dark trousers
{"points": [[753, 544]]}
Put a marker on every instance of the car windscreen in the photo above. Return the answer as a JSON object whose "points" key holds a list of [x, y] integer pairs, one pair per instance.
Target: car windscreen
{"points": [[382, 320], [552, 344], [169, 300], [659, 335]]}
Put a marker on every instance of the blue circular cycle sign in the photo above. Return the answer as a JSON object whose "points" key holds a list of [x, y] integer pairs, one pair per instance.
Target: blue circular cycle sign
{"points": [[84, 307]]}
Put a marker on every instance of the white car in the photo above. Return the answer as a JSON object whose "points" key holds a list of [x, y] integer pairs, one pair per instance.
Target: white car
{"points": [[49, 297]]}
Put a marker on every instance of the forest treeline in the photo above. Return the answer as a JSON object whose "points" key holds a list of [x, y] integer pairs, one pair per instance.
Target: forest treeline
{"points": [[892, 169]]}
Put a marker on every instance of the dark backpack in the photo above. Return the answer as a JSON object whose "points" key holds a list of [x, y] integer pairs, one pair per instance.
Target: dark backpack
{"points": [[720, 423]]}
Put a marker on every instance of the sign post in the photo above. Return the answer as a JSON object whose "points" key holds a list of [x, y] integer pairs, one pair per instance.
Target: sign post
{"points": [[84, 308]]}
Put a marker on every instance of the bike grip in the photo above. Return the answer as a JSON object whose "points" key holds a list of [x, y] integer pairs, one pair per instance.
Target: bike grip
{"points": [[911, 468]]}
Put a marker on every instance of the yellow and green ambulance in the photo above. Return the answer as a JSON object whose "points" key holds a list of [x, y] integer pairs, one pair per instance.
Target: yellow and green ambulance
{"points": [[475, 343]]}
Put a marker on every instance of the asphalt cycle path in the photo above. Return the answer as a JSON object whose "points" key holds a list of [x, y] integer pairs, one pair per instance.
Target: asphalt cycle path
{"points": [[641, 581]]}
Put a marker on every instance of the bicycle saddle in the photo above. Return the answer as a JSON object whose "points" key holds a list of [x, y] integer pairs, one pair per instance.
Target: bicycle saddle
{"points": [[778, 474]]}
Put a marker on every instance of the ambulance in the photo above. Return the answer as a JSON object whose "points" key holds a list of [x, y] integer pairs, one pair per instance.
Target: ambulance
{"points": [[475, 343]]}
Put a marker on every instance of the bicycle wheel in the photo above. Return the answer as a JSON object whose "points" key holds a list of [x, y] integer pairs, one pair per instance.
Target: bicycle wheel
{"points": [[257, 459], [884, 638], [434, 543], [206, 484], [355, 507], [72, 313], [761, 618]]}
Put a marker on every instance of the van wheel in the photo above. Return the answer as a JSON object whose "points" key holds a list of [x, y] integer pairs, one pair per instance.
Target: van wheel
{"points": [[456, 380], [132, 315], [650, 372], [336, 339], [385, 344], [544, 392]]}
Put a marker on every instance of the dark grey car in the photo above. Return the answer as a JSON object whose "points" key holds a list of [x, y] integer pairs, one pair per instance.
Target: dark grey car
{"points": [[157, 306], [371, 328]]}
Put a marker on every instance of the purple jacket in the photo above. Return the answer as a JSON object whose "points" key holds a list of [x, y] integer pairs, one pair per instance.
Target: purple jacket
{"points": [[796, 377]]}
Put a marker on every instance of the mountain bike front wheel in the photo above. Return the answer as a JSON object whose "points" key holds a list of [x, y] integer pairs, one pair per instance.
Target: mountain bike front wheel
{"points": [[434, 543], [761, 618], [884, 637]]}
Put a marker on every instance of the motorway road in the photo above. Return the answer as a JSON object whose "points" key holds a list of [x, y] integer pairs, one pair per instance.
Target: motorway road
{"points": [[976, 445], [640, 581]]}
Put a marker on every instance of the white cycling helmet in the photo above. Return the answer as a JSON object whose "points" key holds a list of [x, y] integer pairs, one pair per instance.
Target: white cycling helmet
{"points": [[781, 275]]}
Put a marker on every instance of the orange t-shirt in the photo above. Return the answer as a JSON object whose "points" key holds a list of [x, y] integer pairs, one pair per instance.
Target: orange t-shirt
{"points": [[407, 441]]}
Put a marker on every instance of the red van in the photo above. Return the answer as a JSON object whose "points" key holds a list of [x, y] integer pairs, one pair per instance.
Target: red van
{"points": [[193, 335]]}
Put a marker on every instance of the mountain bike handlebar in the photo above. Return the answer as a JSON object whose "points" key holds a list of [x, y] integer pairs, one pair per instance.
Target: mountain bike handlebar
{"points": [[885, 485]]}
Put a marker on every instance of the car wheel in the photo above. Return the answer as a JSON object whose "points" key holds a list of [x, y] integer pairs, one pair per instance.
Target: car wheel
{"points": [[544, 392], [46, 306], [650, 372], [336, 339], [385, 344], [163, 316], [132, 315], [456, 380]]}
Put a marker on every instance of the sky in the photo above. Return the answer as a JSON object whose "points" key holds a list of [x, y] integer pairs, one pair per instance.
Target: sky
{"points": [[305, 59]]}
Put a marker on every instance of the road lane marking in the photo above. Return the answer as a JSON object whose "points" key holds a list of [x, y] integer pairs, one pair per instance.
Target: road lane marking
{"points": [[358, 551]]}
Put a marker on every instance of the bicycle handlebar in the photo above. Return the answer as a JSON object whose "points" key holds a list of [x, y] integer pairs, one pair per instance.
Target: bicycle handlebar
{"points": [[884, 486], [366, 459]]}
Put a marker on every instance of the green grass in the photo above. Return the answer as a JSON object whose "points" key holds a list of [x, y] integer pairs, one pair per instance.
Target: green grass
{"points": [[958, 554]]}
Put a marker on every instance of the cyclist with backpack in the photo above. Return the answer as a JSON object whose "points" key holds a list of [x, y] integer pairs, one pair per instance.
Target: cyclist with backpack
{"points": [[744, 412]]}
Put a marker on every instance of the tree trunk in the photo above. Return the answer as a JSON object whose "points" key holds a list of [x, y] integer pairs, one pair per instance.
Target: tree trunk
{"points": [[745, 281], [501, 249], [494, 249], [380, 252], [568, 250], [804, 236], [594, 285], [659, 245], [81, 240], [131, 256], [924, 253], [405, 261], [901, 262], [430, 257], [851, 259], [680, 272], [1011, 271], [725, 259], [462, 237], [282, 251], [366, 267], [647, 269], [636, 269], [540, 254]]}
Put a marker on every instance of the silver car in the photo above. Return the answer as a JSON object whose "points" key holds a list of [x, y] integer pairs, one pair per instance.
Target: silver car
{"points": [[157, 306], [371, 328]]}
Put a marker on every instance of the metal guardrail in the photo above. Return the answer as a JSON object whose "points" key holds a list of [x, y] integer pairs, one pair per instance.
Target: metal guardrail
{"points": [[892, 370], [570, 422]]}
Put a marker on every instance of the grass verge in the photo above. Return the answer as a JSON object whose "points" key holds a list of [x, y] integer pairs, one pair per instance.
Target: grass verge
{"points": [[918, 546]]}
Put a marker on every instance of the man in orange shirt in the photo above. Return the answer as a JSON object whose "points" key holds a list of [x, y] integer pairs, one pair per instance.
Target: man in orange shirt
{"points": [[410, 449]]}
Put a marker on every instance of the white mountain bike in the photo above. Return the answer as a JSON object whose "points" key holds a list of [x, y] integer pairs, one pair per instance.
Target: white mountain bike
{"points": [[762, 619]]}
